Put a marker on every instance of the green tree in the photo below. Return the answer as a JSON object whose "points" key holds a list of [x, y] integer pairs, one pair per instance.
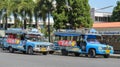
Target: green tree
{"points": [[15, 12], [116, 13], [76, 13], [44, 7], [59, 15], [7, 7], [37, 12], [26, 7], [80, 14], [31, 13]]}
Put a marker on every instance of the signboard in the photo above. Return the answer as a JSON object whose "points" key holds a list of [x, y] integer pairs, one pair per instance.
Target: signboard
{"points": [[66, 43], [13, 41]]}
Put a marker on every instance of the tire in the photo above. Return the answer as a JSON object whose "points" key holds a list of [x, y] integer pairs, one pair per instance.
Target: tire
{"points": [[92, 53], [44, 53], [11, 50], [86, 55], [64, 52], [77, 54], [30, 51], [24, 52], [3, 48], [51, 52], [106, 56]]}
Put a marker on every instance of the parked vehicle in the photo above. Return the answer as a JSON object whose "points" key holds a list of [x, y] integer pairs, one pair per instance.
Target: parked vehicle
{"points": [[2, 34], [112, 38], [26, 41], [81, 43]]}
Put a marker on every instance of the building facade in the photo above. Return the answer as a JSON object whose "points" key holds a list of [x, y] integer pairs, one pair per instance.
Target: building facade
{"points": [[98, 16]]}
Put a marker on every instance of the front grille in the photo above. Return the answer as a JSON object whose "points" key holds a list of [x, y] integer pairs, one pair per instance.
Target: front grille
{"points": [[41, 46], [106, 48]]}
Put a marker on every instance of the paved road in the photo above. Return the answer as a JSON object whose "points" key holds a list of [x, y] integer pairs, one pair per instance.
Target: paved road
{"points": [[22, 60]]}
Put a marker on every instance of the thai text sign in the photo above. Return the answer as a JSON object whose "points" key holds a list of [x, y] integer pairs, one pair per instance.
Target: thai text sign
{"points": [[66, 43]]}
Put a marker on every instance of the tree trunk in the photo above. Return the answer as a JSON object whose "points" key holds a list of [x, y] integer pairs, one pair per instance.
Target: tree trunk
{"points": [[25, 23], [15, 24], [36, 22], [6, 25]]}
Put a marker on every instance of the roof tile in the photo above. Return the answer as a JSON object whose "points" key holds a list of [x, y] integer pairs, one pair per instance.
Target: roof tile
{"points": [[106, 24]]}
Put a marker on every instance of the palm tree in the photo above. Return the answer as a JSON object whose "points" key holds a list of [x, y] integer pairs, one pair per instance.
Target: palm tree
{"points": [[36, 16], [43, 11], [15, 13], [6, 6], [24, 8], [31, 12], [37, 12]]}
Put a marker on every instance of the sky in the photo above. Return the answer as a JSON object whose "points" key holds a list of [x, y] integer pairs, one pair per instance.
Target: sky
{"points": [[97, 4]]}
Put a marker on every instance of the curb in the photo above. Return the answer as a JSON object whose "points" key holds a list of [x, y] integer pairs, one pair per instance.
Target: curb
{"points": [[115, 56]]}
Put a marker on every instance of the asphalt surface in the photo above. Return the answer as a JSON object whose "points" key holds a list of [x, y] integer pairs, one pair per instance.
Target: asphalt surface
{"points": [[39, 60]]}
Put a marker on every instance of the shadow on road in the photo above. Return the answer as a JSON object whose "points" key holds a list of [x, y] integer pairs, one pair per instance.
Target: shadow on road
{"points": [[19, 52]]}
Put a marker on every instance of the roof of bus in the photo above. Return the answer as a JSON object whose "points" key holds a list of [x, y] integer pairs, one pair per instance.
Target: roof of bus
{"points": [[15, 31], [66, 34], [84, 31], [36, 33]]}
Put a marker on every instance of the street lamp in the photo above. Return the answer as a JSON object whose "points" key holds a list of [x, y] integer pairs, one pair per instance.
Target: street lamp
{"points": [[49, 10]]}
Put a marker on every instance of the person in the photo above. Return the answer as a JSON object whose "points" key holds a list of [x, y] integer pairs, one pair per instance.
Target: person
{"points": [[23, 37], [83, 45]]}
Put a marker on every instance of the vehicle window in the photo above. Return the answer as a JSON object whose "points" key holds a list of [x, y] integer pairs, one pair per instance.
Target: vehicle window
{"points": [[35, 38], [92, 40]]}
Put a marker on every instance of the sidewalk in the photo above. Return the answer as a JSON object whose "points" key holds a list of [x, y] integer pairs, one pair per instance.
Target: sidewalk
{"points": [[115, 55]]}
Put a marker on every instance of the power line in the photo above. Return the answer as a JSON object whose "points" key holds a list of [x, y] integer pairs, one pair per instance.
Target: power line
{"points": [[104, 8]]}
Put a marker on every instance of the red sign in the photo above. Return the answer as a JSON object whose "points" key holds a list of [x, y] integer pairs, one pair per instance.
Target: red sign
{"points": [[13, 41], [66, 43]]}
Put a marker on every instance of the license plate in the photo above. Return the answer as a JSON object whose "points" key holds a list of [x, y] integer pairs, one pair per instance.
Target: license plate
{"points": [[43, 49], [75, 49], [107, 51]]}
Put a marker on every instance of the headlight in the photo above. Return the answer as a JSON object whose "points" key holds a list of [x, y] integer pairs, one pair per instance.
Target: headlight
{"points": [[48, 47], [99, 48], [111, 48]]}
